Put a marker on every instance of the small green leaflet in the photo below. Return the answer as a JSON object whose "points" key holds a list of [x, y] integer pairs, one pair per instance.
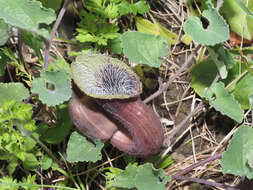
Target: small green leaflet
{"points": [[3, 62], [13, 91], [205, 72], [144, 48], [216, 32], [244, 89], [126, 179], [98, 32], [141, 7], [27, 15], [243, 7], [55, 4], [30, 162], [79, 149], [239, 17], [3, 33], [46, 162], [144, 177], [147, 179], [224, 102], [114, 45], [237, 159], [53, 87], [58, 133], [222, 58], [145, 26], [33, 41]]}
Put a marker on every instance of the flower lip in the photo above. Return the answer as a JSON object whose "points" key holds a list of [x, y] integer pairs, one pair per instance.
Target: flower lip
{"points": [[103, 77]]}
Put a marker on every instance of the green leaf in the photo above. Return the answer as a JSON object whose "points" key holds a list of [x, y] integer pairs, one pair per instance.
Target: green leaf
{"points": [[93, 3], [126, 179], [145, 26], [29, 144], [124, 8], [111, 11], [57, 134], [149, 50], [243, 89], [144, 177], [16, 114], [147, 180], [249, 158], [3, 62], [30, 162], [205, 72], [165, 162], [27, 15], [33, 41], [186, 39], [141, 7], [239, 152], [109, 176], [55, 4], [53, 87], [29, 182], [96, 29], [13, 163], [79, 149], [13, 91], [46, 162], [4, 35], [7, 181], [203, 75], [222, 58], [224, 102], [114, 45], [243, 7], [239, 17], [216, 32], [59, 64]]}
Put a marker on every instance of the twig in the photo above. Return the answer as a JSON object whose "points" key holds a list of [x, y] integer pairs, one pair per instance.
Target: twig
{"points": [[193, 166], [180, 125], [203, 181], [165, 86], [54, 29], [196, 110]]}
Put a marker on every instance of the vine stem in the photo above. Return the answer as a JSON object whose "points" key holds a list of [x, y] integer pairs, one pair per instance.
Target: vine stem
{"points": [[52, 34], [180, 176]]}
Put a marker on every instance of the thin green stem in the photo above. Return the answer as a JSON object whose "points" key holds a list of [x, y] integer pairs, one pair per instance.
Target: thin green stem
{"points": [[69, 172], [80, 182], [36, 185], [47, 150], [75, 9], [237, 79]]}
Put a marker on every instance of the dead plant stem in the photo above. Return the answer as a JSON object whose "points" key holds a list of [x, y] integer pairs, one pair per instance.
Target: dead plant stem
{"points": [[165, 86], [54, 29]]}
